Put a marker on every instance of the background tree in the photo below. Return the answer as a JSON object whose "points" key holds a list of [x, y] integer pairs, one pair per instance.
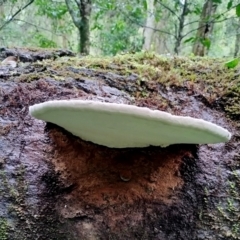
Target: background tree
{"points": [[181, 21], [202, 41], [150, 24], [237, 41], [44, 23], [117, 26], [81, 19], [108, 27]]}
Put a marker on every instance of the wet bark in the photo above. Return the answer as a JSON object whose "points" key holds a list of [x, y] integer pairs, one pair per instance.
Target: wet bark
{"points": [[57, 186], [205, 28]]}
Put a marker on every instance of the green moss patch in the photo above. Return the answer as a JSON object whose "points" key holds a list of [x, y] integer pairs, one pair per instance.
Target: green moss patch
{"points": [[3, 229], [207, 77]]}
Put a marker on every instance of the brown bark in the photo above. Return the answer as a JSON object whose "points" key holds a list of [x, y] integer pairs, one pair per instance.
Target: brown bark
{"points": [[57, 186], [205, 28]]}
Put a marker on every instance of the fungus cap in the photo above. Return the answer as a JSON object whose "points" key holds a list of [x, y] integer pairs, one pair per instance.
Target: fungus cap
{"points": [[123, 126]]}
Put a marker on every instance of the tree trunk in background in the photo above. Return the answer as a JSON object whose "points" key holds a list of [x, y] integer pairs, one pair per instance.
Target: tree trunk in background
{"points": [[148, 31], [160, 40], [205, 28], [181, 19], [1, 10], [237, 42], [64, 39], [85, 8], [81, 21], [2, 42]]}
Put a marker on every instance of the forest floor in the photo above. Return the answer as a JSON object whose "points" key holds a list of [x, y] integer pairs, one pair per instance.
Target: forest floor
{"points": [[54, 185]]}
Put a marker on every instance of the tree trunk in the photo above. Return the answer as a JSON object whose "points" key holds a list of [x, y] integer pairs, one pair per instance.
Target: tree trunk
{"points": [[200, 48], [180, 27], [64, 37], [160, 40], [81, 19], [54, 185], [237, 42], [148, 30], [84, 29]]}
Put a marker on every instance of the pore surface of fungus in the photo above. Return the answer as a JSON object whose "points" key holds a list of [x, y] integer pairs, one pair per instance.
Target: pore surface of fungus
{"points": [[124, 126]]}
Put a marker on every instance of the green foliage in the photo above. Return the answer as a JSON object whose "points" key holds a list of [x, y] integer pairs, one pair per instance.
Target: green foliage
{"points": [[44, 42], [145, 4], [197, 10], [238, 10], [191, 39], [116, 25], [51, 9], [217, 1], [119, 39], [206, 42], [3, 229], [229, 5], [233, 63]]}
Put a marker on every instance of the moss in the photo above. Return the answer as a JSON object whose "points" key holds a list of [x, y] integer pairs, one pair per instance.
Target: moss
{"points": [[205, 76], [3, 229], [223, 214]]}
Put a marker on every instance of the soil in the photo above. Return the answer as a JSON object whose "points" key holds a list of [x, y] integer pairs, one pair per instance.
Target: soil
{"points": [[57, 186]]}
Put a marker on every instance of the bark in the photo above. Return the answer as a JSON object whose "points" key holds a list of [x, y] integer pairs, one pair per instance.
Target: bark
{"points": [[150, 23], [205, 28], [57, 186], [237, 42], [179, 35], [81, 20]]}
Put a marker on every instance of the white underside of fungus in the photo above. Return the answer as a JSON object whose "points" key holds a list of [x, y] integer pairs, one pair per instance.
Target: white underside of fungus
{"points": [[123, 126]]}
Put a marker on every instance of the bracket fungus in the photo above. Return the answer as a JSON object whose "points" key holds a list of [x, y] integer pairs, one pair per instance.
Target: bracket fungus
{"points": [[125, 126]]}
